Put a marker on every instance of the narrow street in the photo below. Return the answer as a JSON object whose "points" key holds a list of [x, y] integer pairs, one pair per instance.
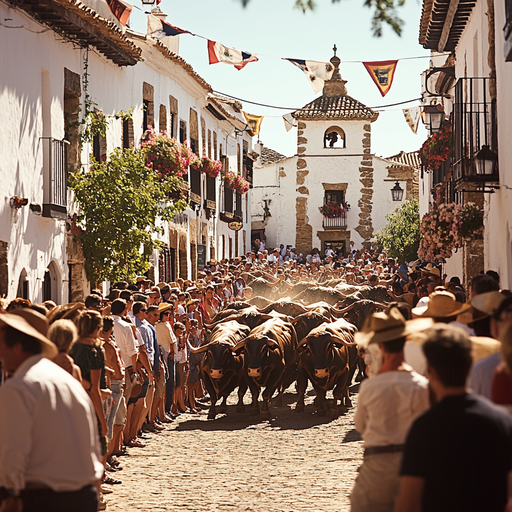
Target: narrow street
{"points": [[295, 462]]}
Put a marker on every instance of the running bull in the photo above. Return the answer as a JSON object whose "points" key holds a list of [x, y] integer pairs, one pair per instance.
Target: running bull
{"points": [[326, 357], [269, 361], [222, 370]]}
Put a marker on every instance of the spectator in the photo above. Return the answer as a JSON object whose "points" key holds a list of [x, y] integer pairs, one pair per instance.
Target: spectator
{"points": [[64, 334]]}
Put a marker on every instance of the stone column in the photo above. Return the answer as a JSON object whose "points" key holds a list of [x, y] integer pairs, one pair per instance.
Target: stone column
{"points": [[365, 226], [304, 231]]}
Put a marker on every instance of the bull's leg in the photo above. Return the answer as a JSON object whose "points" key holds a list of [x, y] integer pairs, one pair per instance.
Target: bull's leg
{"points": [[302, 384], [223, 406], [279, 401], [320, 401], [255, 392], [274, 382], [242, 388], [339, 394], [213, 396]]}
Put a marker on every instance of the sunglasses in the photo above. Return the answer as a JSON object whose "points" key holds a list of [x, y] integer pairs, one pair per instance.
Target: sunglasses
{"points": [[143, 310], [166, 313]]}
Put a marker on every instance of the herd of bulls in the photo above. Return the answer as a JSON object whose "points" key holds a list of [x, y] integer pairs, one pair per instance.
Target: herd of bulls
{"points": [[267, 345]]}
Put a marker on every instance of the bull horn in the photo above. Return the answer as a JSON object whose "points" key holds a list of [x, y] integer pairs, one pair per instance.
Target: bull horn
{"points": [[199, 350], [344, 310], [271, 343], [380, 305], [238, 346]]}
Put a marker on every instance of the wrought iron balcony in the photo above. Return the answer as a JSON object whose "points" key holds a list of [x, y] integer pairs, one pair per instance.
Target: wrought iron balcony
{"points": [[474, 124], [55, 178]]}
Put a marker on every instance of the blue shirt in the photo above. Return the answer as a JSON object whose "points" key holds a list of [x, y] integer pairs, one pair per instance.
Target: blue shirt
{"points": [[148, 335]]}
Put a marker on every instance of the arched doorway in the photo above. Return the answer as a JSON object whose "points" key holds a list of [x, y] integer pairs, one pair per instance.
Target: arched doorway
{"points": [[51, 283], [22, 285]]}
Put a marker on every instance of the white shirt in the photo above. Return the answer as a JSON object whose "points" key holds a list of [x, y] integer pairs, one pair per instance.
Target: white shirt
{"points": [[271, 258], [388, 403], [480, 376], [125, 340], [165, 336], [423, 302], [48, 429]]}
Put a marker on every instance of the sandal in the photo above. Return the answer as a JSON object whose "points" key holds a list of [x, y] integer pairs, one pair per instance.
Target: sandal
{"points": [[108, 480]]}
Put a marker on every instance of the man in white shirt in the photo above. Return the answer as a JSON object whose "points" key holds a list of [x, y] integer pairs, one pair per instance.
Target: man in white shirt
{"points": [[388, 403], [49, 441]]}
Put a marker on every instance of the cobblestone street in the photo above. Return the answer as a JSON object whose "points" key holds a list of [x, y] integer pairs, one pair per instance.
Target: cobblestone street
{"points": [[295, 462]]}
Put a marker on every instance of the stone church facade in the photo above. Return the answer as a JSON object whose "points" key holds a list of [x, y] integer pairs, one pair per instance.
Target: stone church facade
{"points": [[334, 164]]}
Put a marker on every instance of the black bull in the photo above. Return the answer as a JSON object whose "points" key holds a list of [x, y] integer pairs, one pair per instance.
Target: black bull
{"points": [[269, 361], [221, 369], [326, 357]]}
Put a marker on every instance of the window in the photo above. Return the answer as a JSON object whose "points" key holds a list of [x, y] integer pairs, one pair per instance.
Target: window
{"points": [[228, 200], [209, 143], [128, 133], [173, 118], [162, 119], [183, 131], [334, 196], [334, 137], [149, 108], [215, 145]]}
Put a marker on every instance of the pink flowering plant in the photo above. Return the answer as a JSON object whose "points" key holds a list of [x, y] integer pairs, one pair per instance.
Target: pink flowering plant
{"points": [[207, 166], [236, 182], [446, 227], [436, 148], [167, 156], [334, 210]]}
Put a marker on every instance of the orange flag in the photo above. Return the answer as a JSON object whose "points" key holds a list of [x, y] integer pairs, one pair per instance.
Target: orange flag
{"points": [[382, 73], [254, 122]]}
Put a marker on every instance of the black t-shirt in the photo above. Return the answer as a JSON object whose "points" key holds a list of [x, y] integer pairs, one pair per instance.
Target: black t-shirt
{"points": [[462, 447]]}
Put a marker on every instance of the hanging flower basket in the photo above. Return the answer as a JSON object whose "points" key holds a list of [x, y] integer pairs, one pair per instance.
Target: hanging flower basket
{"points": [[166, 155], [436, 148], [236, 182], [471, 223], [334, 210], [207, 166], [446, 227]]}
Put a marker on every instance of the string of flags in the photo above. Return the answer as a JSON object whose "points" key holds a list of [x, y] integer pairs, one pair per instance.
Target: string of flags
{"points": [[317, 72]]}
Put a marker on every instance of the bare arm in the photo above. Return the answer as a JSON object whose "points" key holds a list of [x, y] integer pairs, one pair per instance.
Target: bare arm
{"points": [[410, 494], [94, 393]]}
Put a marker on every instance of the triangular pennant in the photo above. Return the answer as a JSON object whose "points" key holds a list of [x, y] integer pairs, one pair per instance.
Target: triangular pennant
{"points": [[317, 72], [219, 53], [382, 73], [254, 122], [412, 117], [289, 122], [121, 10], [158, 28]]}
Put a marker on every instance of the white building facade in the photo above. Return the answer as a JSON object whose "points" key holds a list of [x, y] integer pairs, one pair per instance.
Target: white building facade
{"points": [[48, 48]]}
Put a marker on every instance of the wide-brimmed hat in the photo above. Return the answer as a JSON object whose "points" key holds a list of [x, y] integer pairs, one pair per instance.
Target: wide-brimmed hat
{"points": [[139, 279], [427, 268], [32, 324], [488, 302], [162, 285], [442, 304], [435, 272], [388, 326], [164, 306]]}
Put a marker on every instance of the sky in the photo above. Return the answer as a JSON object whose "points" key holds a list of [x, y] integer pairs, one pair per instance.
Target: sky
{"points": [[273, 29]]}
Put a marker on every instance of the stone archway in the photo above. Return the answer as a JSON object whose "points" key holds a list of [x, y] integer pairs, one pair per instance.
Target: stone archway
{"points": [[52, 283], [22, 291]]}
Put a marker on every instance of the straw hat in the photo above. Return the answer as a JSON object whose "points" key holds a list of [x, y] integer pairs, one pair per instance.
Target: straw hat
{"points": [[442, 304], [488, 303], [427, 268], [388, 326], [162, 285], [164, 306], [33, 324], [140, 279], [435, 272]]}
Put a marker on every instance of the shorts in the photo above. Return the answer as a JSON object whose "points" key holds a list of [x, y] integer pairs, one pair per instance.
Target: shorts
{"points": [[117, 396], [120, 418], [142, 394], [129, 382], [160, 387], [181, 374]]}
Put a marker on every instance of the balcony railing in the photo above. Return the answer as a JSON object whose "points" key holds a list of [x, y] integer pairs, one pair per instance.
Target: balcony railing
{"points": [[335, 222], [55, 178], [474, 126]]}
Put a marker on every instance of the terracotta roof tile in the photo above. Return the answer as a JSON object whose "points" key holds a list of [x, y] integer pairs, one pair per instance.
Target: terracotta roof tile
{"points": [[407, 159], [269, 156], [335, 107]]}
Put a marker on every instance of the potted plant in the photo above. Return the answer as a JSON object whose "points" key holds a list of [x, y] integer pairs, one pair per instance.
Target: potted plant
{"points": [[334, 210], [436, 148]]}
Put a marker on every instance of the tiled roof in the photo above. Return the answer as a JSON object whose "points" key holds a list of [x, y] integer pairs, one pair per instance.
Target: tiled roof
{"points": [[269, 156], [407, 159], [433, 16], [335, 107], [76, 21]]}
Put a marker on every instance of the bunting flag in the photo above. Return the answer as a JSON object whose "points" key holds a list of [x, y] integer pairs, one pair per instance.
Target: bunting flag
{"points": [[254, 122], [121, 10], [412, 117], [382, 74], [158, 28], [289, 122], [220, 53], [317, 72]]}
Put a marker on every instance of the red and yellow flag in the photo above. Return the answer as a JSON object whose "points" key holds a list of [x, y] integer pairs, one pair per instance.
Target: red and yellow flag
{"points": [[382, 73]]}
